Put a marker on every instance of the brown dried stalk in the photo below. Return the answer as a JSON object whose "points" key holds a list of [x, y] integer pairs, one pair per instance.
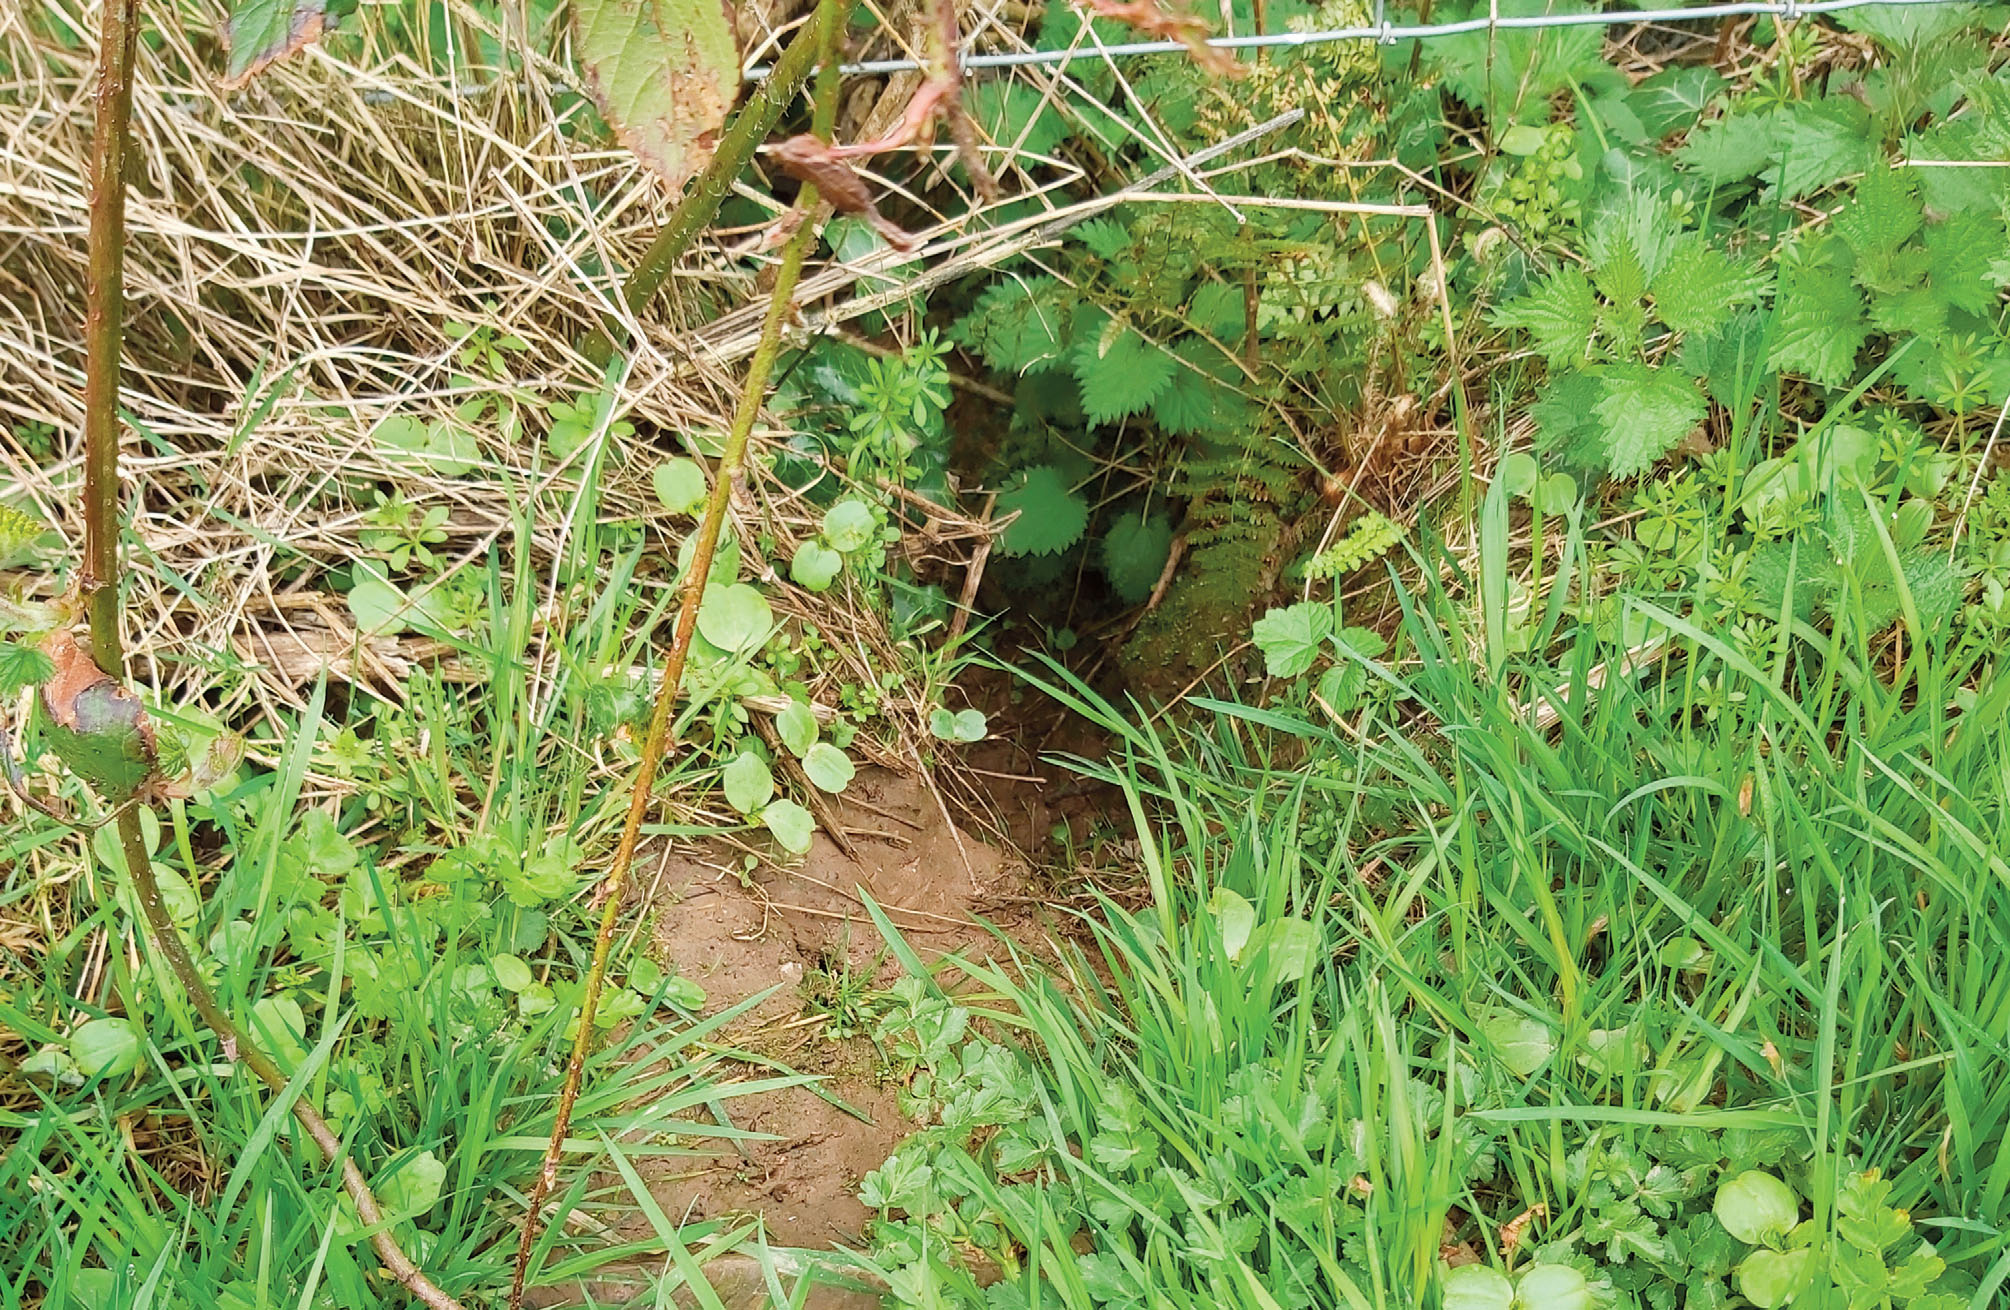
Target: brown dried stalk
{"points": [[97, 587], [753, 393]]}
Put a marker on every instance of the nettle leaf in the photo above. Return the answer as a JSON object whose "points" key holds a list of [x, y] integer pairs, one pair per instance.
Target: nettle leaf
{"points": [[1731, 149], [1017, 115], [1820, 143], [1645, 411], [1291, 638], [1561, 314], [1134, 554], [1512, 73], [1964, 257], [1566, 418], [1700, 287], [663, 72], [1198, 398], [1017, 325], [1051, 514], [1120, 373], [1882, 216], [1819, 325], [22, 666]]}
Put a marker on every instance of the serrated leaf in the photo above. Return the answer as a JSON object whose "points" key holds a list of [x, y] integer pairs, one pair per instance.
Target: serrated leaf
{"points": [[1512, 72], [1700, 287], [1819, 325], [1964, 261], [18, 531], [829, 768], [1120, 373], [1675, 97], [1292, 637], [1566, 419], [1016, 115], [1820, 143], [663, 72], [1882, 216], [1051, 515], [1560, 314], [1644, 411], [1731, 149], [1197, 399], [22, 666], [260, 33], [1134, 554], [1017, 325]]}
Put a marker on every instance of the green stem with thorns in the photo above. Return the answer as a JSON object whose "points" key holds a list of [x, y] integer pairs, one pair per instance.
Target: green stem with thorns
{"points": [[98, 588], [700, 204], [753, 393]]}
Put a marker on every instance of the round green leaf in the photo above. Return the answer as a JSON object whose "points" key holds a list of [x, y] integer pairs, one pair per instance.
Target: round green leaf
{"points": [[1520, 1043], [375, 603], [792, 825], [1552, 1287], [735, 617], [1770, 1278], [414, 1187], [108, 1048], [1477, 1287], [1518, 473], [1290, 948], [1235, 917], [1756, 1207], [815, 566], [962, 726], [725, 559], [1523, 139], [685, 994], [680, 484], [279, 1026], [797, 727], [850, 525], [748, 782], [512, 974], [828, 767]]}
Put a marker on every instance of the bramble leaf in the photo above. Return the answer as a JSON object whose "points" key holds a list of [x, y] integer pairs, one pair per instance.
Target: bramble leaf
{"points": [[663, 72], [1017, 325], [260, 33], [1292, 637]]}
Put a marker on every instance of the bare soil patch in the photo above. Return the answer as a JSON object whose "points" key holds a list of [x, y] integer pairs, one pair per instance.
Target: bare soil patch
{"points": [[795, 928]]}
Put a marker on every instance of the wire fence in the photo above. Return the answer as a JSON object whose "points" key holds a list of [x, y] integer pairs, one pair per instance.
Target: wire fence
{"points": [[1388, 33]]}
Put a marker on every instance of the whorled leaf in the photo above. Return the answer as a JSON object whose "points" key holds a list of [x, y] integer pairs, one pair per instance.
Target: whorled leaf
{"points": [[663, 72]]}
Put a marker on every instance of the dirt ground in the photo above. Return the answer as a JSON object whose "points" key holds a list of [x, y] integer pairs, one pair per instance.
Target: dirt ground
{"points": [[799, 928]]}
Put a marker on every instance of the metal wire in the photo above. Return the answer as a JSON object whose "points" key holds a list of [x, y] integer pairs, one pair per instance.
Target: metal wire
{"points": [[1384, 32]]}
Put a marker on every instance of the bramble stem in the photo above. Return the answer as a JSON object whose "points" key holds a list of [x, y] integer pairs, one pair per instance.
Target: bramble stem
{"points": [[753, 393], [700, 205], [98, 586]]}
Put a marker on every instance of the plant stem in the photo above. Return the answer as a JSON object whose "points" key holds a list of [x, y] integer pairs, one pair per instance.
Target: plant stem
{"points": [[753, 393], [700, 204], [104, 323], [98, 587]]}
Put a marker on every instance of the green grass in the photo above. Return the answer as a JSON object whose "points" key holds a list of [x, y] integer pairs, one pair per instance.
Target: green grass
{"points": [[1718, 917]]}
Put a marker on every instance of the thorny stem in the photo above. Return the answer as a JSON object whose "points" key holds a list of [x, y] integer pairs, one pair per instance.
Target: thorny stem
{"points": [[700, 205], [752, 393], [98, 585]]}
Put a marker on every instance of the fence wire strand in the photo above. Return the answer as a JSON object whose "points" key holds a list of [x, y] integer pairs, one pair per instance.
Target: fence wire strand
{"points": [[1387, 33]]}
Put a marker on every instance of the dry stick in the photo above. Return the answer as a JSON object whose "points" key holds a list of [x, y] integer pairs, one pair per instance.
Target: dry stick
{"points": [[752, 394], [98, 586], [701, 204]]}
